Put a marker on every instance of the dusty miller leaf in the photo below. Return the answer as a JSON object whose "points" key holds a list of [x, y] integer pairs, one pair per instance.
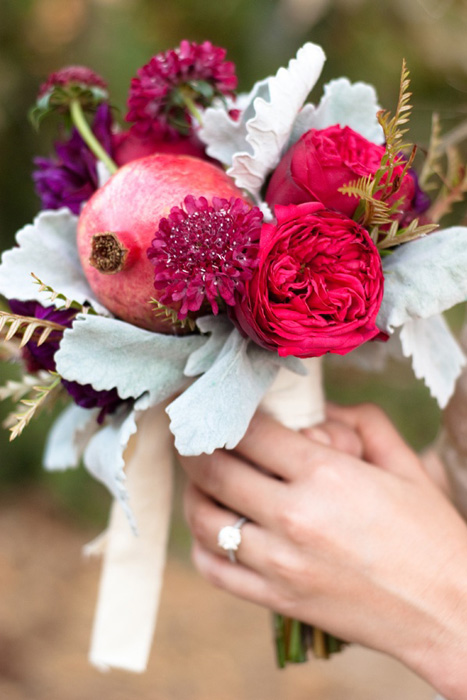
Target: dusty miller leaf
{"points": [[48, 248], [103, 456], [108, 353], [268, 131], [216, 409], [424, 278], [344, 103], [69, 436], [436, 356]]}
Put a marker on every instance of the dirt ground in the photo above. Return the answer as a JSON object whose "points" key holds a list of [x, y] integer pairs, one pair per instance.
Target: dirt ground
{"points": [[208, 645]]}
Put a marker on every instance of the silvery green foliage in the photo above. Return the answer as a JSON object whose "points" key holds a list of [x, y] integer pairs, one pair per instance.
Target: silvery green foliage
{"points": [[421, 280], [69, 436], [344, 103], [260, 139], [201, 359], [219, 329], [108, 353], [103, 456], [47, 247], [216, 409], [225, 136], [436, 356], [424, 278]]}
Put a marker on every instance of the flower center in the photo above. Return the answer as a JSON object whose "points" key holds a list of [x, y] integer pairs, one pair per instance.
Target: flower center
{"points": [[205, 251]]}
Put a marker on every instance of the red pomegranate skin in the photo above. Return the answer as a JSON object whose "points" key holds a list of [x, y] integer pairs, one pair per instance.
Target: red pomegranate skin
{"points": [[130, 206]]}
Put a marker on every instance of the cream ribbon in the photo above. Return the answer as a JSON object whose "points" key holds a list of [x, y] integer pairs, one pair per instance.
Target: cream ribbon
{"points": [[133, 566], [297, 401]]}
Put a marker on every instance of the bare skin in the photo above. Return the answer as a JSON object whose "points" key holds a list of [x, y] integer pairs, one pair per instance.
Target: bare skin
{"points": [[346, 531]]}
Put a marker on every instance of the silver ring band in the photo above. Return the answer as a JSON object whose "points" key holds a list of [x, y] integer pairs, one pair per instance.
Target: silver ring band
{"points": [[230, 538]]}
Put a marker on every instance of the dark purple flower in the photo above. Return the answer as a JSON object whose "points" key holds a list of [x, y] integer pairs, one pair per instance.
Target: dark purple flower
{"points": [[85, 396], [421, 201], [157, 98], [204, 252], [41, 357], [70, 178]]}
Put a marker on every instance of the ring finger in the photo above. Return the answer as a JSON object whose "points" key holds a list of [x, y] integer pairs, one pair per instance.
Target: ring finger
{"points": [[205, 519]]}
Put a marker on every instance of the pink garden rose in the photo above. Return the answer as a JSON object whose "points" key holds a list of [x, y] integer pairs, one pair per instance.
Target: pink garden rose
{"points": [[322, 161], [317, 287]]}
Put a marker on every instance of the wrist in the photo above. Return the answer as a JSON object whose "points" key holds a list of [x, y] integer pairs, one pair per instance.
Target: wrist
{"points": [[438, 654]]}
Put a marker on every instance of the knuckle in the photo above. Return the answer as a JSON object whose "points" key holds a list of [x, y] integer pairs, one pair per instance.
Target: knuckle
{"points": [[285, 566], [344, 438], [294, 524]]}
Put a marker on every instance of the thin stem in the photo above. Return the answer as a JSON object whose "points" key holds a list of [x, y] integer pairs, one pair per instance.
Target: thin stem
{"points": [[296, 650], [279, 636], [319, 644], [80, 122], [192, 108]]}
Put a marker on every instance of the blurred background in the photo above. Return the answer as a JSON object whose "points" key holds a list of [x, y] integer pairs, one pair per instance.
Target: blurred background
{"points": [[47, 593]]}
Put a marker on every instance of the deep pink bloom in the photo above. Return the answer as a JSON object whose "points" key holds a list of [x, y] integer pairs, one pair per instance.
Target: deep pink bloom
{"points": [[71, 76], [317, 287], [203, 252], [155, 103], [322, 161]]}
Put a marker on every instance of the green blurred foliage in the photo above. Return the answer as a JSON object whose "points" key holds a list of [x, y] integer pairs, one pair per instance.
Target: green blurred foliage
{"points": [[364, 39]]}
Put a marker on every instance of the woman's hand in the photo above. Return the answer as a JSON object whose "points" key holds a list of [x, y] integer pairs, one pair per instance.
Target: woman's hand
{"points": [[346, 532]]}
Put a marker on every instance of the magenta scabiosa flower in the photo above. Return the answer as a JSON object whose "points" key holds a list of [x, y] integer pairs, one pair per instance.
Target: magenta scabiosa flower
{"points": [[41, 357], [70, 83], [164, 89], [204, 252], [70, 178]]}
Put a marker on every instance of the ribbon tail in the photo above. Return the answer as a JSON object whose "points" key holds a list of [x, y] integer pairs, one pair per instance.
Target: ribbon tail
{"points": [[133, 566]]}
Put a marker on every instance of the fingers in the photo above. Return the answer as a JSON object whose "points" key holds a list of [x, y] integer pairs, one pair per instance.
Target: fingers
{"points": [[338, 435], [234, 578], [382, 445], [279, 450], [236, 484], [205, 519]]}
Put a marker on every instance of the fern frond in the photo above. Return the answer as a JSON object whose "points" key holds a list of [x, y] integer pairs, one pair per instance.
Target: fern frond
{"points": [[69, 303], [395, 236], [165, 312], [393, 126], [15, 390], [371, 210], [432, 165], [17, 421], [394, 129], [27, 327]]}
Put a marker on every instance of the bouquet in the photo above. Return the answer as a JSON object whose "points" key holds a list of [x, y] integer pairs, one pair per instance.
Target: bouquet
{"points": [[199, 263]]}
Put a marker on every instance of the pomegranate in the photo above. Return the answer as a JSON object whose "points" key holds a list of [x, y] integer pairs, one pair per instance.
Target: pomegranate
{"points": [[120, 220]]}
